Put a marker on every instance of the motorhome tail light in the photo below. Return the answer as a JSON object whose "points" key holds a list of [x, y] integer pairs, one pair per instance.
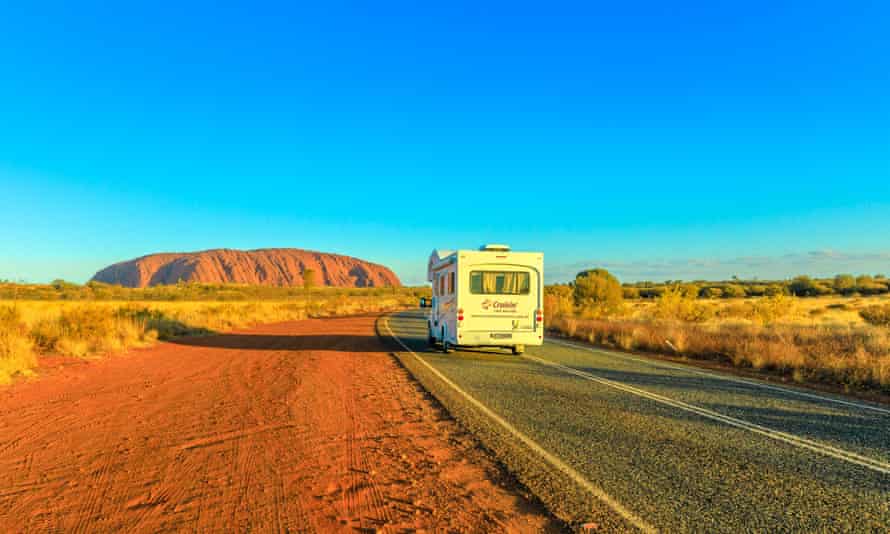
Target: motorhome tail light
{"points": [[539, 315], [460, 314]]}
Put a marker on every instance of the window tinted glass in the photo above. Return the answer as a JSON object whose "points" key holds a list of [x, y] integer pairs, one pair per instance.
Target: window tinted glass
{"points": [[476, 283], [499, 283]]}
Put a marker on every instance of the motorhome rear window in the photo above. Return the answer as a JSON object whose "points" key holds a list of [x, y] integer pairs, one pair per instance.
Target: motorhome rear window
{"points": [[499, 283]]}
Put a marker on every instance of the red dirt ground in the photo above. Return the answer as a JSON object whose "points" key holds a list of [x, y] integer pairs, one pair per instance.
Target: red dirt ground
{"points": [[303, 426]]}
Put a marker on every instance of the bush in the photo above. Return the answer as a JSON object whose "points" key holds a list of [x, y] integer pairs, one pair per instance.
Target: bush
{"points": [[764, 310], [755, 290], [651, 292], [775, 289], [864, 279], [16, 348], [733, 291], [690, 290], [712, 292], [630, 293], [673, 304], [876, 315], [823, 289], [803, 286], [84, 331], [557, 304], [871, 288], [597, 291], [844, 284]]}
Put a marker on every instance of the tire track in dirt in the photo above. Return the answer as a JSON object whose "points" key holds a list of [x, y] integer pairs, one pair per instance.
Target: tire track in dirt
{"points": [[377, 514], [98, 484], [296, 515]]}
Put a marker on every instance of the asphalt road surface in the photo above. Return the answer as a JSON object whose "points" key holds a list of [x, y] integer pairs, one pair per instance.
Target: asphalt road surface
{"points": [[637, 444]]}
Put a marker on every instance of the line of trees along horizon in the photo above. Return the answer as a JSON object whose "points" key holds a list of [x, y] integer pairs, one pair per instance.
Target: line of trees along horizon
{"points": [[193, 291], [846, 285]]}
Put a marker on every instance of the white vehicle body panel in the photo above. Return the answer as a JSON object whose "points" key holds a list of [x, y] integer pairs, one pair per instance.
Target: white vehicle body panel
{"points": [[473, 281]]}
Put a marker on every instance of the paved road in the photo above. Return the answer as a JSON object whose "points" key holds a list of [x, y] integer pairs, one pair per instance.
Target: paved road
{"points": [[643, 444]]}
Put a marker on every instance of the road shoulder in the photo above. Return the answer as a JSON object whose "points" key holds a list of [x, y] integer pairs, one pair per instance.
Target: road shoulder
{"points": [[558, 490]]}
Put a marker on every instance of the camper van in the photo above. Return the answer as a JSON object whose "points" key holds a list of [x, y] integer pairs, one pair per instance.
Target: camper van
{"points": [[491, 297]]}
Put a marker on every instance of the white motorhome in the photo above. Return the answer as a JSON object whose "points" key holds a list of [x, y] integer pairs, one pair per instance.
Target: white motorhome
{"points": [[490, 297]]}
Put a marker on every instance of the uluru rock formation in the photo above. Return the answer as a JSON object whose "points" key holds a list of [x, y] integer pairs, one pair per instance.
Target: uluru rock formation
{"points": [[271, 267]]}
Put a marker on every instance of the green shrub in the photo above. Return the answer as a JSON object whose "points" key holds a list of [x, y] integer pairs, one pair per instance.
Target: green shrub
{"points": [[844, 284], [876, 315], [651, 292], [630, 292], [673, 304], [712, 292], [770, 309], [597, 291], [775, 289], [690, 290], [733, 291], [802, 286], [755, 290], [871, 288]]}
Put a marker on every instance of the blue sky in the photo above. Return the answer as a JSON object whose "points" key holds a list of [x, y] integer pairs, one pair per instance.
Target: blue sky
{"points": [[663, 139]]}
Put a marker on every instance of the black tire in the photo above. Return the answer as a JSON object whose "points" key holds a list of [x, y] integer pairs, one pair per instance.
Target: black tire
{"points": [[517, 349], [446, 346], [431, 339]]}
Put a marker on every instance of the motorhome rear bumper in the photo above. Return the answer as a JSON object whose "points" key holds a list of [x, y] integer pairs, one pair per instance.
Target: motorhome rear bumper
{"points": [[500, 339]]}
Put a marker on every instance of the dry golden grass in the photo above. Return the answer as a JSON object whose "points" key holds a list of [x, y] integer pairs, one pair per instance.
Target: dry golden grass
{"points": [[808, 340], [16, 348], [802, 311], [95, 328]]}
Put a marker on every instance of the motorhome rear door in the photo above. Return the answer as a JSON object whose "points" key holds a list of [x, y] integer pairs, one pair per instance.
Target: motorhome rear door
{"points": [[502, 298]]}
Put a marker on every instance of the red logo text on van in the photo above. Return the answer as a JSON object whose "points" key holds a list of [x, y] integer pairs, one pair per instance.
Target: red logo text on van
{"points": [[499, 306]]}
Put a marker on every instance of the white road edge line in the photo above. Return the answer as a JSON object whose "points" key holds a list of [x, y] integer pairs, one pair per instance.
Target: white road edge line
{"points": [[815, 446], [617, 507], [728, 378]]}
